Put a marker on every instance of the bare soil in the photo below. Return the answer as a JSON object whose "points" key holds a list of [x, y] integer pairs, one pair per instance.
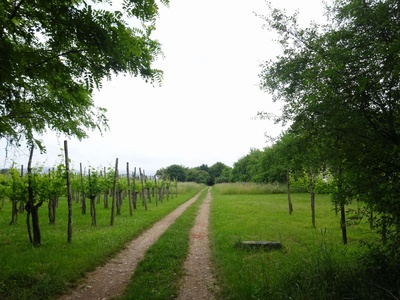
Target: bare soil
{"points": [[110, 280], [199, 282]]}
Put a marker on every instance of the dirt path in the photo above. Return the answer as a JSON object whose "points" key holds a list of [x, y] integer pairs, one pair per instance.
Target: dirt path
{"points": [[199, 282], [110, 280]]}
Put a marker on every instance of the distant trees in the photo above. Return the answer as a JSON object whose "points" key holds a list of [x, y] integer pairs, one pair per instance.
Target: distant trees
{"points": [[248, 168], [217, 173]]}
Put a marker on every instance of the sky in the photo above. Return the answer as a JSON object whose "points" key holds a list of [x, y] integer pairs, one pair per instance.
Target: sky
{"points": [[204, 110]]}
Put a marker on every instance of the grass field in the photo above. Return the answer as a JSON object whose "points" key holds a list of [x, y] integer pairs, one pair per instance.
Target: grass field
{"points": [[308, 265], [313, 263], [28, 272]]}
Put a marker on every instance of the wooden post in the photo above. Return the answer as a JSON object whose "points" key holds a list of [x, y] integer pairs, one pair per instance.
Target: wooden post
{"points": [[129, 189], [114, 193], [143, 190], [83, 200], [69, 194]]}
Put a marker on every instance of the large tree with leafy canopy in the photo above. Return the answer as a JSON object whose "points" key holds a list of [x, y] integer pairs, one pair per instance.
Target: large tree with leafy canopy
{"points": [[341, 86], [55, 53]]}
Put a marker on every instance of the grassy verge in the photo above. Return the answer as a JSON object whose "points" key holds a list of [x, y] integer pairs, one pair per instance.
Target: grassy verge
{"points": [[28, 272], [158, 275], [313, 263]]}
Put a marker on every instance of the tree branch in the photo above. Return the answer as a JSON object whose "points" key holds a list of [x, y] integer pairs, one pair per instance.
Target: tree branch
{"points": [[14, 13], [66, 53]]}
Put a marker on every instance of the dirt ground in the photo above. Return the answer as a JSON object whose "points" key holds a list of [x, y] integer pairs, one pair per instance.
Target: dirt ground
{"points": [[199, 282], [109, 280]]}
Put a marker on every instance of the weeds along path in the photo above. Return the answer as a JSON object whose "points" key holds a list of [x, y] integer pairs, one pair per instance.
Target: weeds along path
{"points": [[199, 282], [109, 280]]}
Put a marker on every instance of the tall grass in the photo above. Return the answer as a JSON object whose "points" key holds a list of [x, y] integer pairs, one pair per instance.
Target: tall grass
{"points": [[313, 263], [249, 188], [28, 272]]}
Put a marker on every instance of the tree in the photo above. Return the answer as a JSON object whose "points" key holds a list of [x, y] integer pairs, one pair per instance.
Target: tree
{"points": [[198, 175], [175, 171], [340, 82], [55, 53], [219, 173], [247, 168]]}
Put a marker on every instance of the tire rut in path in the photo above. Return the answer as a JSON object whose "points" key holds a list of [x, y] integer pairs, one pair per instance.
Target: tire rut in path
{"points": [[110, 280], [199, 282]]}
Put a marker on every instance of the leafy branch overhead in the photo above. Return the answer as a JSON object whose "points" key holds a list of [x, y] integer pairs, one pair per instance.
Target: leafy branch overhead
{"points": [[55, 53]]}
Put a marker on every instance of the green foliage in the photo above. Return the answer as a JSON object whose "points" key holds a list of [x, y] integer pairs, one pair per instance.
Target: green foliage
{"points": [[220, 172], [54, 54], [247, 168], [173, 171], [197, 175], [340, 86]]}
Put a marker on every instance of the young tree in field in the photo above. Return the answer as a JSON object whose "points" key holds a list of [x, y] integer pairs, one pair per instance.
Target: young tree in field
{"points": [[93, 188], [15, 190], [55, 53], [340, 81]]}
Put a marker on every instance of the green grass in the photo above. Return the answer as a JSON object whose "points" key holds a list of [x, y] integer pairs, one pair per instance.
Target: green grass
{"points": [[28, 272], [158, 275], [313, 264]]}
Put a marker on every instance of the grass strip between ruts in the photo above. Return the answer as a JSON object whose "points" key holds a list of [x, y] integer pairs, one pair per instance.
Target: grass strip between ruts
{"points": [[159, 274]]}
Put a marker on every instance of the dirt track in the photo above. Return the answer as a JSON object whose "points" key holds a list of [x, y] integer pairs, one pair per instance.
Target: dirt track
{"points": [[109, 280]]}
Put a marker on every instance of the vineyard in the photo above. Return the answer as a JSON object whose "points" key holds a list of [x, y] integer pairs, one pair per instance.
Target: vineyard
{"points": [[104, 205], [89, 187]]}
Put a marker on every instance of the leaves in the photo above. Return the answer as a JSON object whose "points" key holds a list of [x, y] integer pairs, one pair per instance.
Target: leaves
{"points": [[54, 54]]}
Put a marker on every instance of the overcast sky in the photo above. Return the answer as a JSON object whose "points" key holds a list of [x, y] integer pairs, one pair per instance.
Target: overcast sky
{"points": [[203, 112]]}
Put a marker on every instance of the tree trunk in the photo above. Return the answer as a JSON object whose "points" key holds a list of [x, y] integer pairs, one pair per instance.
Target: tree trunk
{"points": [[288, 191], [32, 209], [21, 202], [343, 222], [93, 209], [69, 193], [14, 211], [312, 198], [52, 211], [106, 198], [342, 201]]}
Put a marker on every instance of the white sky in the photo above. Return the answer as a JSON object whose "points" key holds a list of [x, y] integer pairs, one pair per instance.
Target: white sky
{"points": [[202, 113]]}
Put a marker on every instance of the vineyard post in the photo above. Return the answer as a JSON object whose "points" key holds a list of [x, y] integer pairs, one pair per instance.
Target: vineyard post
{"points": [[134, 194], [143, 189], [69, 194], [156, 189], [129, 189], [83, 201], [114, 193]]}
